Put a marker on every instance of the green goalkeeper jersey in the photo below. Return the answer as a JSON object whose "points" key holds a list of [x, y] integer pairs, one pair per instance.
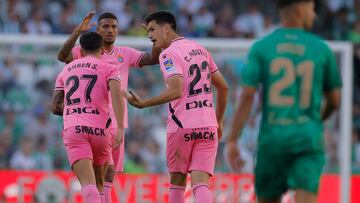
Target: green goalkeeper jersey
{"points": [[294, 68]]}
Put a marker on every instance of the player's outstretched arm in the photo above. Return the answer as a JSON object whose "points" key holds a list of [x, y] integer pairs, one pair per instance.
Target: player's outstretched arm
{"points": [[64, 54], [150, 58], [57, 102], [239, 119], [118, 106], [221, 98], [332, 102], [172, 92]]}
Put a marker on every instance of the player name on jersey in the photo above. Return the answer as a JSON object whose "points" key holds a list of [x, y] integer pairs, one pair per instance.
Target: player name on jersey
{"points": [[83, 65], [193, 53]]}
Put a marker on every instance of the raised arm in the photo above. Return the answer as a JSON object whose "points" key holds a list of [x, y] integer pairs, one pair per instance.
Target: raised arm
{"points": [[57, 102], [65, 54]]}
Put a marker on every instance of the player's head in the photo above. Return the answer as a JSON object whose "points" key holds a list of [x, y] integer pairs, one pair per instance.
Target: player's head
{"points": [[161, 26], [91, 43], [107, 27], [302, 11]]}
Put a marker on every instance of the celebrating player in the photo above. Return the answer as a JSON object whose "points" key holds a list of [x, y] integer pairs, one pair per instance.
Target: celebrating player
{"points": [[81, 97], [193, 126], [295, 69], [120, 56]]}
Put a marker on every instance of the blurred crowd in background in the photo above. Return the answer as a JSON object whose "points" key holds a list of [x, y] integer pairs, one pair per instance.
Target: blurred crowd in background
{"points": [[30, 137]]}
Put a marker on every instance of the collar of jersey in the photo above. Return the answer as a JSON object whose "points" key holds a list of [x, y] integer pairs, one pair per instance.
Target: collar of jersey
{"points": [[177, 39], [106, 52]]}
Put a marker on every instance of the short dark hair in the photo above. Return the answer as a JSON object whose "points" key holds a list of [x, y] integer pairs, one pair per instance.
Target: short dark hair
{"points": [[162, 17], [107, 15], [286, 3], [91, 41]]}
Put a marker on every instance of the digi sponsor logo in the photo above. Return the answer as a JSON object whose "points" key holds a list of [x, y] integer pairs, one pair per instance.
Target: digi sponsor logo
{"points": [[120, 58], [169, 65], [198, 104], [83, 110]]}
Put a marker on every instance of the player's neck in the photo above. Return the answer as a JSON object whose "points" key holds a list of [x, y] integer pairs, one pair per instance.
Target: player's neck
{"points": [[96, 55], [108, 47], [291, 24], [172, 37]]}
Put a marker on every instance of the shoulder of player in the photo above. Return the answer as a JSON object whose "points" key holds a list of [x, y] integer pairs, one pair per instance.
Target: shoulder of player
{"points": [[316, 40], [168, 52]]}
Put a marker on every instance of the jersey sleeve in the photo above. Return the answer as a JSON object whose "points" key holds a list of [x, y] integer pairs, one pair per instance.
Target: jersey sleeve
{"points": [[332, 79], [114, 74], [169, 65], [251, 74], [212, 66], [134, 56], [59, 83], [76, 53]]}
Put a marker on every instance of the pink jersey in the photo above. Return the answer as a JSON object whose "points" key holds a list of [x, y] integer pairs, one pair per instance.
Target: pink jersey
{"points": [[195, 64], [122, 58], [85, 83]]}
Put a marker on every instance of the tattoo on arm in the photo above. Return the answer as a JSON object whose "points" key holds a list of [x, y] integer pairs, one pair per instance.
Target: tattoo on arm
{"points": [[57, 104], [64, 54], [146, 59]]}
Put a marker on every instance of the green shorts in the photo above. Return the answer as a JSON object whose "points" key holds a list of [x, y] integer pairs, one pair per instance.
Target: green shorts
{"points": [[277, 171]]}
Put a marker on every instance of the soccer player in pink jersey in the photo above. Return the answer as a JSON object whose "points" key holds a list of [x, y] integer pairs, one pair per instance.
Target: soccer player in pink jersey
{"points": [[194, 126], [120, 56], [81, 97]]}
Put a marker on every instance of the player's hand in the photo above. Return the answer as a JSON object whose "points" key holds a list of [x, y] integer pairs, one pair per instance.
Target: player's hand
{"points": [[86, 24], [133, 99], [233, 154], [119, 137]]}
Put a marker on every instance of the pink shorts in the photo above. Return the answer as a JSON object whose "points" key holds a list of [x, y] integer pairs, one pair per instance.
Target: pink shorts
{"points": [[117, 157], [84, 142], [192, 149]]}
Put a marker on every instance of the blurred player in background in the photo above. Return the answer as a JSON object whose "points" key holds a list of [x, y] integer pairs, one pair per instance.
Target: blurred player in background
{"points": [[121, 57], [193, 126], [81, 97], [295, 69]]}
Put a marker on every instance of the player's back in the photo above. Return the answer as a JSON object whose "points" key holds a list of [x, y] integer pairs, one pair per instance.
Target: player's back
{"points": [[195, 108], [85, 83], [295, 68]]}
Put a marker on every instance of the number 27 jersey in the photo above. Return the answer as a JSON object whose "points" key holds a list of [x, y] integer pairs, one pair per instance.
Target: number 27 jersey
{"points": [[192, 62], [85, 84]]}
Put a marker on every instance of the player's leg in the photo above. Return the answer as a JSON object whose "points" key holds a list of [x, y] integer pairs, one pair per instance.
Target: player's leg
{"points": [[203, 162], [304, 175], [303, 196], [80, 156], [177, 187], [99, 176], [270, 174], [83, 170], [200, 186], [116, 165], [177, 157], [102, 147]]}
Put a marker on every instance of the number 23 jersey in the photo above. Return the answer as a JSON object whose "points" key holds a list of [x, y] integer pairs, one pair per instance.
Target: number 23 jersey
{"points": [[85, 84], [192, 62]]}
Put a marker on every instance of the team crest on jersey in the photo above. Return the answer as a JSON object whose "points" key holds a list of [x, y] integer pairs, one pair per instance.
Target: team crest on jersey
{"points": [[169, 65], [120, 58]]}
